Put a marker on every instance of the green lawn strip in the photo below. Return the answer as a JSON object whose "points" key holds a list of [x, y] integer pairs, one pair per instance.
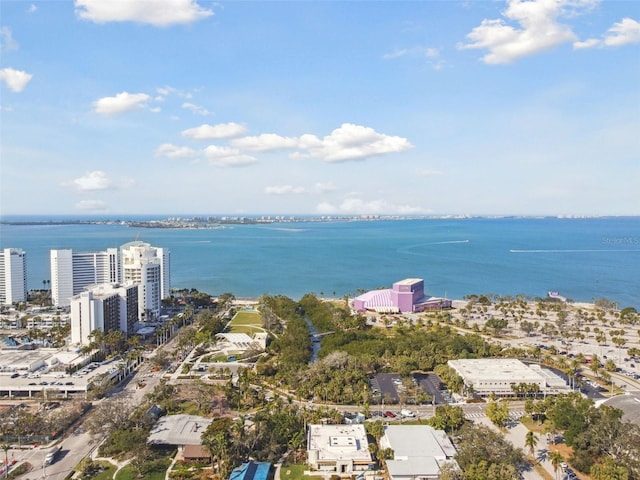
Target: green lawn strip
{"points": [[107, 474], [296, 472], [128, 472], [246, 318]]}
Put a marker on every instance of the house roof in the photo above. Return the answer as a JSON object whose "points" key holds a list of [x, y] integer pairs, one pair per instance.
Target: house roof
{"points": [[195, 451], [178, 430], [251, 471]]}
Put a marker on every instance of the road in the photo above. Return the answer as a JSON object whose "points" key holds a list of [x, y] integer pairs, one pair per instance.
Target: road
{"points": [[78, 444]]}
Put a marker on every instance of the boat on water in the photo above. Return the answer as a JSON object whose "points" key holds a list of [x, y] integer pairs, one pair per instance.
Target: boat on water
{"points": [[557, 296]]}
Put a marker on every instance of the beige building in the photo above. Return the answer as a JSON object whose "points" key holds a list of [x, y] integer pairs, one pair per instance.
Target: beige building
{"points": [[342, 449]]}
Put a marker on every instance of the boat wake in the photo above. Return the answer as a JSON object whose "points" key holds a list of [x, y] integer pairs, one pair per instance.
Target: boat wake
{"points": [[570, 251], [410, 249]]}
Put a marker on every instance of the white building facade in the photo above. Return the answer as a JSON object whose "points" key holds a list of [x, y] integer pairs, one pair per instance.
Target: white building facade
{"points": [[72, 272], [342, 449], [103, 307], [13, 276], [150, 268]]}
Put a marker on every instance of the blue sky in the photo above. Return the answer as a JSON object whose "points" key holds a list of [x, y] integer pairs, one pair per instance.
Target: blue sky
{"points": [[317, 107]]}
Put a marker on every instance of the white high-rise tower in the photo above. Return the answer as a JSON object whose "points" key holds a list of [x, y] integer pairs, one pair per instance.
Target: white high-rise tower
{"points": [[13, 276], [150, 268], [72, 272]]}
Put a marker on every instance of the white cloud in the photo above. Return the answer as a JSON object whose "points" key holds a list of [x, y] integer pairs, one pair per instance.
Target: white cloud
{"points": [[91, 205], [418, 51], [212, 132], [431, 52], [623, 33], [425, 172], [168, 90], [265, 142], [325, 187], [6, 40], [161, 13], [173, 151], [96, 180], [32, 8], [197, 109], [538, 29], [120, 103], [227, 157], [284, 190], [16, 80], [348, 142], [357, 206], [352, 142], [402, 52], [590, 43]]}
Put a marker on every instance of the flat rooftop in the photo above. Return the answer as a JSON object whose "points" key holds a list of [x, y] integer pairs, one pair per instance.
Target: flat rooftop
{"points": [[339, 442], [496, 369], [178, 430], [419, 450]]}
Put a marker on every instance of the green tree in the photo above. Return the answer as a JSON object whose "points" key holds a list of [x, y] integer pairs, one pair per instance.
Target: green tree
{"points": [[556, 459], [448, 418], [608, 469], [530, 442], [498, 413], [216, 439]]}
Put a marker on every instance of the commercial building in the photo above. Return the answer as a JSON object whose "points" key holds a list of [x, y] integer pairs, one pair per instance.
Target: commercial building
{"points": [[343, 449], [105, 307], [484, 376], [72, 272], [13, 276], [405, 296], [419, 451], [150, 268]]}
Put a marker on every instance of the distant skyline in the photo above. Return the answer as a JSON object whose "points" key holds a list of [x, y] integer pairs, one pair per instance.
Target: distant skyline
{"points": [[321, 108]]}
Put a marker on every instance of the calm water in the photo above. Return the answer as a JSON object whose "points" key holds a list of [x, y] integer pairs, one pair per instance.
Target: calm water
{"points": [[583, 259]]}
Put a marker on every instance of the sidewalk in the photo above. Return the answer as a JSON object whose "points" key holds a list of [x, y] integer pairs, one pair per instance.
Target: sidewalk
{"points": [[516, 435]]}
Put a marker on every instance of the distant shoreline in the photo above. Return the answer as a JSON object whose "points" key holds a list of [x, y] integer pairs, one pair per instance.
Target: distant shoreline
{"points": [[214, 222]]}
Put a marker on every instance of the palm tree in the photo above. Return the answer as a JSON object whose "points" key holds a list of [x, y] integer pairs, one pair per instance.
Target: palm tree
{"points": [[556, 459], [530, 441]]}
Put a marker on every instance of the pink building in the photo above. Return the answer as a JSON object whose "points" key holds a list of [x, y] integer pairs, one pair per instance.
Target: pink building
{"points": [[405, 296]]}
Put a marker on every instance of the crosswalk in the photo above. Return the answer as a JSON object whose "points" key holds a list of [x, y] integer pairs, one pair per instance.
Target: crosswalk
{"points": [[513, 415]]}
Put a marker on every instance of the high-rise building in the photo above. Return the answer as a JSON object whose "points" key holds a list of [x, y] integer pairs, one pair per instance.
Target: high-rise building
{"points": [[72, 272], [105, 307], [150, 268], [13, 276]]}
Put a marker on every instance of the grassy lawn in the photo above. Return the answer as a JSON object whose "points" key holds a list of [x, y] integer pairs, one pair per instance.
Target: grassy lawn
{"points": [[108, 473], [130, 473], [534, 426], [296, 472], [248, 329], [246, 318]]}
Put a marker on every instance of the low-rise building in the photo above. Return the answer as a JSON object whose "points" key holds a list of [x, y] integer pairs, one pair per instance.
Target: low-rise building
{"points": [[419, 451], [486, 376], [342, 449], [251, 471]]}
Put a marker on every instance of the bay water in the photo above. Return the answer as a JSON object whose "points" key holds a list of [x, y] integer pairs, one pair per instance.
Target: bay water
{"points": [[581, 258]]}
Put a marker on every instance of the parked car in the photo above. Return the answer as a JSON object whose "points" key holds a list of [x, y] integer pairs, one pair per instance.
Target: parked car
{"points": [[389, 414]]}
